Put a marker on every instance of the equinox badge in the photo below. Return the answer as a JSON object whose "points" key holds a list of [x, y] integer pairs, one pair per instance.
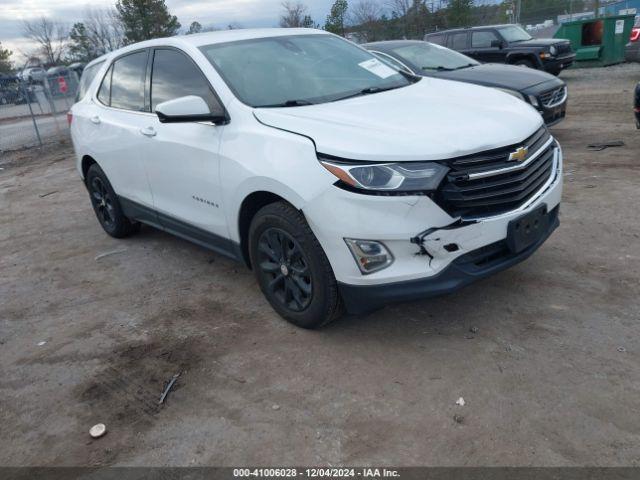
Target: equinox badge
{"points": [[519, 155]]}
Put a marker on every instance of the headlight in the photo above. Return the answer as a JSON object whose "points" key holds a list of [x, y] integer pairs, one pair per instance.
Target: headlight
{"points": [[512, 92], [553, 50], [534, 101], [399, 177]]}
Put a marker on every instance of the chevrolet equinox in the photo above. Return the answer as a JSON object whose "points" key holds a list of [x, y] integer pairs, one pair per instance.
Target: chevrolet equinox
{"points": [[343, 183]]}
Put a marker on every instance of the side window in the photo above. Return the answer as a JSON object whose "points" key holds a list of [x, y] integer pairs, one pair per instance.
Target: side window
{"points": [[458, 41], [88, 75], [104, 94], [175, 75], [482, 39], [439, 39], [127, 82]]}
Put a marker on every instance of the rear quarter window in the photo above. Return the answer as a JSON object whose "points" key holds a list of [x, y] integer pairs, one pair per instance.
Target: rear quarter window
{"points": [[87, 78], [439, 39]]}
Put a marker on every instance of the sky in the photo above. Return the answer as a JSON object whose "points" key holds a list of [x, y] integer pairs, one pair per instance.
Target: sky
{"points": [[219, 13]]}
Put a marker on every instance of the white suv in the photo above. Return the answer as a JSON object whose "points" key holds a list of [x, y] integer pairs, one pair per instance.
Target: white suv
{"points": [[343, 183]]}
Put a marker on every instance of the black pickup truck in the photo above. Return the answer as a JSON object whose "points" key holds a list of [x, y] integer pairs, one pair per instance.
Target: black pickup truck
{"points": [[507, 44]]}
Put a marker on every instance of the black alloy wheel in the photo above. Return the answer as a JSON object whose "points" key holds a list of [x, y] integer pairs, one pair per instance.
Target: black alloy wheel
{"points": [[102, 203], [106, 205], [282, 262]]}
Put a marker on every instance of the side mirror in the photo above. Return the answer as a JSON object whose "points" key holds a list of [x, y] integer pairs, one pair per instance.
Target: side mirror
{"points": [[187, 109], [497, 44]]}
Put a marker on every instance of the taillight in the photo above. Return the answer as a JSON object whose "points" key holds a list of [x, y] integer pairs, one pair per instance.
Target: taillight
{"points": [[69, 117], [635, 34]]}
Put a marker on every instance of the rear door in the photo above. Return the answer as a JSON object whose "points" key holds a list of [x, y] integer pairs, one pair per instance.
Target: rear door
{"points": [[112, 127], [182, 159], [459, 41]]}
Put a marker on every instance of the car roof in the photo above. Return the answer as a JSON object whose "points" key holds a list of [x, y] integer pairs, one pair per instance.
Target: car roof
{"points": [[479, 27], [209, 38], [390, 44]]}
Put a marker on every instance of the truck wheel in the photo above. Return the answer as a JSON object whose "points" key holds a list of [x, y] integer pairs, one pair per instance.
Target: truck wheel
{"points": [[106, 205], [291, 268], [524, 63]]}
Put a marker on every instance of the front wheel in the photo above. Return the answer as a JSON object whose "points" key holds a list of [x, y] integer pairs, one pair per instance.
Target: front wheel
{"points": [[291, 268], [524, 63]]}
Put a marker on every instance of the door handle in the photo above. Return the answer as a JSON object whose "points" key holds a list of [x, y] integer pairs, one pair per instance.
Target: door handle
{"points": [[148, 132], [95, 120]]}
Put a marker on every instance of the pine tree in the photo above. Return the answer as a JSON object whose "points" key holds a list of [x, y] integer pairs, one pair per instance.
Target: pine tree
{"points": [[5, 59], [459, 13], [80, 46], [336, 18], [146, 19], [195, 27]]}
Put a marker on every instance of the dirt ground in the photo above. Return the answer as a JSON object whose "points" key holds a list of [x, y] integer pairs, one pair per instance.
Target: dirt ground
{"points": [[550, 377]]}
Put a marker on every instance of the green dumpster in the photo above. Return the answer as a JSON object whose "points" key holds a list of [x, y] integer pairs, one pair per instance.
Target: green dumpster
{"points": [[598, 42]]}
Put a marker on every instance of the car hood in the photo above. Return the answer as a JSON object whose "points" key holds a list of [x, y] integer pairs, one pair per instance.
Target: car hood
{"points": [[500, 75], [539, 42], [429, 120]]}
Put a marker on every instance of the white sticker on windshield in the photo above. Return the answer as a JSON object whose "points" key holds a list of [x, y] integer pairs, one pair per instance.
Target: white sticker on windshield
{"points": [[378, 68]]}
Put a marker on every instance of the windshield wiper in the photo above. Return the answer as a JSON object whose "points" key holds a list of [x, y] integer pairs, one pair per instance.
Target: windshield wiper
{"points": [[468, 65], [439, 69], [368, 91], [288, 103]]}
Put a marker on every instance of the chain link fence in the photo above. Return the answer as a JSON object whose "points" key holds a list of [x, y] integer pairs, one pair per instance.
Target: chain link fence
{"points": [[33, 110]]}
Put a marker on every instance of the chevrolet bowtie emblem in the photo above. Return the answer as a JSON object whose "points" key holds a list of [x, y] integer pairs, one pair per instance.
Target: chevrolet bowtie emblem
{"points": [[519, 155]]}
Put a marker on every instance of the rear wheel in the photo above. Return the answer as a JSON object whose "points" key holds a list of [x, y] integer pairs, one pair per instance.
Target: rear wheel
{"points": [[291, 268], [106, 205]]}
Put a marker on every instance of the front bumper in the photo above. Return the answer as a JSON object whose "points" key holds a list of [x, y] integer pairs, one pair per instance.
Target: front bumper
{"points": [[632, 52], [559, 63], [466, 269], [394, 221]]}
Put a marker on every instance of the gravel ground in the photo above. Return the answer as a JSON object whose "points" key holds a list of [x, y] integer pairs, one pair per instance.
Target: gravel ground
{"points": [[546, 354]]}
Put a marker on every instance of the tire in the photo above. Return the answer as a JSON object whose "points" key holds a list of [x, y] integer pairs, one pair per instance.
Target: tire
{"points": [[291, 268], [524, 63], [555, 72], [106, 205]]}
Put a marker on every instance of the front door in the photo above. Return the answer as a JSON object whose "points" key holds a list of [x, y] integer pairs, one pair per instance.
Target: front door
{"points": [[485, 47], [182, 159]]}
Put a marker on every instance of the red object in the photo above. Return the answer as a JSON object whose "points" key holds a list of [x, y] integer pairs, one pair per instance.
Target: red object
{"points": [[635, 34], [69, 117], [62, 85]]}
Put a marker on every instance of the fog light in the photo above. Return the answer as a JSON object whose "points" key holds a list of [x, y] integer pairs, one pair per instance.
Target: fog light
{"points": [[371, 256]]}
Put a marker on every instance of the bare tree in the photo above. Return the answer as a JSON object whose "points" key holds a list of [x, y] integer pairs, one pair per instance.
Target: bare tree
{"points": [[50, 36], [365, 15], [294, 15], [401, 8], [104, 29]]}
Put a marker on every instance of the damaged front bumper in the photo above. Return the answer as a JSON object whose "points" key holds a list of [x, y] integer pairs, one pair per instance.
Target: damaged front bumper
{"points": [[433, 252], [466, 269]]}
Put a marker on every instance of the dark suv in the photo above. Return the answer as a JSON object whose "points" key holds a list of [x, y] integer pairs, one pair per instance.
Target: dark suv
{"points": [[507, 44]]}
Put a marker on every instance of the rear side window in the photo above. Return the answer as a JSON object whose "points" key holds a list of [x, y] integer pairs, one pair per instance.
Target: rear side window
{"points": [[482, 39], [458, 41], [439, 39], [104, 94], [87, 77], [174, 75], [127, 82]]}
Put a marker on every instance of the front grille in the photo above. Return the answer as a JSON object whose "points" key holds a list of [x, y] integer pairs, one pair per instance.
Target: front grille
{"points": [[463, 194], [552, 97]]}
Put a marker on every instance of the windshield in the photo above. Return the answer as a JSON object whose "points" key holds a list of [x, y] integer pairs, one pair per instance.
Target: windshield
{"points": [[299, 70], [513, 33], [428, 56]]}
